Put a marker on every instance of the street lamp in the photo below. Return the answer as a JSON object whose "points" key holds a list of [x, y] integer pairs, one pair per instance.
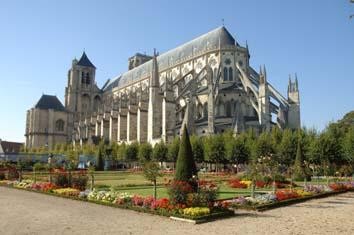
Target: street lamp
{"points": [[50, 167]]}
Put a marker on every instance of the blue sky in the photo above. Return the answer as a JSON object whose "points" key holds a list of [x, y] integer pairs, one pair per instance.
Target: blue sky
{"points": [[39, 39]]}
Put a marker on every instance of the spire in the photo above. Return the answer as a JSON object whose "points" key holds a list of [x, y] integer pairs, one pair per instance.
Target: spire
{"points": [[289, 84], [154, 80], [265, 73], [84, 61], [296, 83]]}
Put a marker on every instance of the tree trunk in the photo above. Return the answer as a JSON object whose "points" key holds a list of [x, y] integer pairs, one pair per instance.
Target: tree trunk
{"points": [[253, 187], [92, 181], [155, 190]]}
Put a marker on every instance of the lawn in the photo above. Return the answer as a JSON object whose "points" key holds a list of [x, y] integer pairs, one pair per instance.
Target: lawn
{"points": [[135, 183]]}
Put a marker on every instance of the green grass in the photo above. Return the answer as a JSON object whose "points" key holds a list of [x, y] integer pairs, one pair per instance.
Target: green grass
{"points": [[135, 183]]}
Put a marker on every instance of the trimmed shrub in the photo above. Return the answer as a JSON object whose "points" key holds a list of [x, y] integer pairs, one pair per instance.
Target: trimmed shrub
{"points": [[185, 168]]}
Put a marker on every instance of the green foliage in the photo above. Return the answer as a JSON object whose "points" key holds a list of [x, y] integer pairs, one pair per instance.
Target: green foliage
{"points": [[348, 146], [214, 148], [145, 152], [299, 166], [131, 152], [159, 152], [287, 148], [173, 149], [197, 148], [237, 150], [186, 167], [100, 157]]}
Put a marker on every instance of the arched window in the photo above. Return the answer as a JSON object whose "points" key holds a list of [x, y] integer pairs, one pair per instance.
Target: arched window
{"points": [[83, 78], [231, 77], [88, 80], [228, 109], [225, 74], [59, 125]]}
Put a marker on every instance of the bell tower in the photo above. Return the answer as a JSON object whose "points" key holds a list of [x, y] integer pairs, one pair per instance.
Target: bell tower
{"points": [[80, 87]]}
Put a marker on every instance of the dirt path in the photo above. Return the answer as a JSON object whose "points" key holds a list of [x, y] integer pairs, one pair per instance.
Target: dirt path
{"points": [[24, 212]]}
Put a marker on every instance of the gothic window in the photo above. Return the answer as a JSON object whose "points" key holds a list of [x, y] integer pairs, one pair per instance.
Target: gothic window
{"points": [[59, 125], [230, 74], [83, 78], [88, 81], [228, 109], [205, 110], [225, 74]]}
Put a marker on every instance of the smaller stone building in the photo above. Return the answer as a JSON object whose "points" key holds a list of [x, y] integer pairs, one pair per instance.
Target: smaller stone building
{"points": [[7, 147], [47, 123]]}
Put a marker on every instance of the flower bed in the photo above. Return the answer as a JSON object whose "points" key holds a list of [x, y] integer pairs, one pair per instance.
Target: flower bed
{"points": [[124, 200], [285, 197]]}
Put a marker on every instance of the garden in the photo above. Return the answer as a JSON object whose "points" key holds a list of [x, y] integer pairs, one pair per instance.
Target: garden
{"points": [[209, 178]]}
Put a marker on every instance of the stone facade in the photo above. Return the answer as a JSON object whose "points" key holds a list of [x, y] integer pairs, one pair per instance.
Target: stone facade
{"points": [[206, 84]]}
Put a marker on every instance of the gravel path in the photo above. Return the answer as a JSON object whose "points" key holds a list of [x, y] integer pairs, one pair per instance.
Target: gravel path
{"points": [[24, 212]]}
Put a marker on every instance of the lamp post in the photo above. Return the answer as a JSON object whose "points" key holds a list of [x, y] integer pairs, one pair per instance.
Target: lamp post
{"points": [[50, 167]]}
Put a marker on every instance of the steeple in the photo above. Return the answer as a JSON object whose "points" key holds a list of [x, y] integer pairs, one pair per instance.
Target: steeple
{"points": [[154, 80], [289, 84], [84, 61], [296, 83], [265, 73]]}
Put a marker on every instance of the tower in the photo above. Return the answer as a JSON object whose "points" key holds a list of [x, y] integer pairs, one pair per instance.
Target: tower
{"points": [[294, 104], [79, 93], [155, 104], [263, 100]]}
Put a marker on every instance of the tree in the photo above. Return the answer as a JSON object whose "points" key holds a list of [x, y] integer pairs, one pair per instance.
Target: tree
{"points": [[151, 172], [100, 156], [173, 149], [299, 168], [131, 152], [264, 145], [214, 147], [145, 152], [348, 146], [121, 151], [237, 150], [185, 168], [287, 148], [197, 148], [159, 152]]}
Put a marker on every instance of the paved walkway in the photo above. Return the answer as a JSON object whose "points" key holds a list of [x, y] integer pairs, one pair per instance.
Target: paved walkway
{"points": [[24, 212]]}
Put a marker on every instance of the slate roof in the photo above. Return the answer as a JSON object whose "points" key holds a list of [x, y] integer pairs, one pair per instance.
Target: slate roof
{"points": [[10, 147], [219, 36], [84, 61], [49, 102]]}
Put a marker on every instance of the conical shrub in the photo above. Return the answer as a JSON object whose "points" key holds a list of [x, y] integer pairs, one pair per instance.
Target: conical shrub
{"points": [[185, 167]]}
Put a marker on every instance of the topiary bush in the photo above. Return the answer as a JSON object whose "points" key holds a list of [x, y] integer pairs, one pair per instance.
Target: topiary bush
{"points": [[185, 168]]}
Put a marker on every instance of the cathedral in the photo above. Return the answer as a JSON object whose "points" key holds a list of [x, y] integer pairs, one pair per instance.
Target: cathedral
{"points": [[206, 84]]}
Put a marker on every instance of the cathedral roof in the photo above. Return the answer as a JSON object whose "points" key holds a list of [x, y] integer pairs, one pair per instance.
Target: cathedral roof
{"points": [[84, 61], [49, 102], [213, 39]]}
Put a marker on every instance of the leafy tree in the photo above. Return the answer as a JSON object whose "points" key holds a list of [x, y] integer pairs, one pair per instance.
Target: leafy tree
{"points": [[121, 151], [145, 152], [151, 172], [186, 168], [265, 145], [100, 157], [197, 148], [287, 148], [348, 146], [173, 149], [159, 152], [214, 147], [237, 150], [131, 152], [299, 168]]}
